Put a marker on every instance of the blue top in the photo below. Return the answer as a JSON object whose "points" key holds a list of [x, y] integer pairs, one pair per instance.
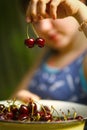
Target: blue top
{"points": [[67, 84]]}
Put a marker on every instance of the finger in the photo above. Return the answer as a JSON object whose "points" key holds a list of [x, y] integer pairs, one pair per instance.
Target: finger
{"points": [[42, 8], [34, 13], [31, 13], [53, 8], [28, 18]]}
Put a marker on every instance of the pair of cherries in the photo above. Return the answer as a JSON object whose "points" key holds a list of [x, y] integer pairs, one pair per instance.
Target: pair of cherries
{"points": [[31, 42]]}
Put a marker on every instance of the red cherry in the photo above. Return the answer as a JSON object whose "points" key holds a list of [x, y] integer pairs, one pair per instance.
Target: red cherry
{"points": [[23, 117], [23, 109], [32, 107], [2, 116], [79, 117], [14, 109], [9, 115], [29, 42], [2, 107], [40, 42]]}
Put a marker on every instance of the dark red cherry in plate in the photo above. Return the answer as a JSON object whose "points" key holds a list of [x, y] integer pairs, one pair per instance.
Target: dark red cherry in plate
{"points": [[29, 42], [23, 109], [40, 42]]}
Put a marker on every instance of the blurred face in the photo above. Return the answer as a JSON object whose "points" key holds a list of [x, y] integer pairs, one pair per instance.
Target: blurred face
{"points": [[59, 33]]}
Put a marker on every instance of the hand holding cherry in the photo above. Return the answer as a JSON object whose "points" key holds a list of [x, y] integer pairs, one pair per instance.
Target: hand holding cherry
{"points": [[31, 42]]}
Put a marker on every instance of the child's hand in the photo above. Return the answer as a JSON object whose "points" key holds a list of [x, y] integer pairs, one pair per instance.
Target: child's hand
{"points": [[25, 96], [40, 9]]}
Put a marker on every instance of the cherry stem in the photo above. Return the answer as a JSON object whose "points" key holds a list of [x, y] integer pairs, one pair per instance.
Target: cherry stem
{"points": [[54, 110], [75, 113], [34, 30], [27, 31], [14, 100]]}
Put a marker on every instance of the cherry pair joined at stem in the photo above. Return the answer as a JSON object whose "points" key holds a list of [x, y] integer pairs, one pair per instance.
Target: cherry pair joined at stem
{"points": [[31, 42]]}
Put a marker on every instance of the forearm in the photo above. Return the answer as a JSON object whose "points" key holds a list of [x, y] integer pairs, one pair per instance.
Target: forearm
{"points": [[81, 17]]}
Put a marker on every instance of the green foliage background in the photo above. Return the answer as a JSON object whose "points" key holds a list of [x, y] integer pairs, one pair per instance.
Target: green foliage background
{"points": [[15, 58]]}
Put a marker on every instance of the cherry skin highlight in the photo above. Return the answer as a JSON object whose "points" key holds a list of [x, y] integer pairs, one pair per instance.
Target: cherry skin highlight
{"points": [[29, 42], [40, 42]]}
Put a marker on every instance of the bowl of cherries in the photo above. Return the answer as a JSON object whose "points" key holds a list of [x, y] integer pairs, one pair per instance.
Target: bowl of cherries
{"points": [[42, 114]]}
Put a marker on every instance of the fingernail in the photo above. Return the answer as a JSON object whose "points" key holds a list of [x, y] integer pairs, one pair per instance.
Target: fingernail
{"points": [[28, 20], [54, 17], [40, 17]]}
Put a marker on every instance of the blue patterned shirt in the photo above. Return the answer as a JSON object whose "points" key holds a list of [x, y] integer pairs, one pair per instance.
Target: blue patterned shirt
{"points": [[67, 84]]}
